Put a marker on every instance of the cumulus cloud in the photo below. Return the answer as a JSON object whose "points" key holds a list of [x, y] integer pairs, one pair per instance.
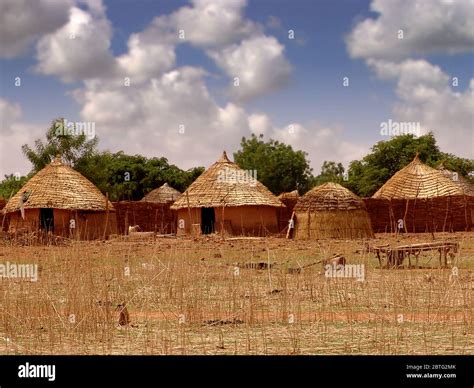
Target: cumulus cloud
{"points": [[167, 110], [424, 91], [435, 26], [78, 50], [425, 96], [206, 23], [14, 132], [23, 21], [321, 143], [258, 64]]}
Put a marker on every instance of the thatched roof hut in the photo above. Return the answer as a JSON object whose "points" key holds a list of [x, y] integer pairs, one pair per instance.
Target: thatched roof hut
{"points": [[331, 211], [419, 198], [466, 186], [162, 194], [229, 198], [417, 180], [61, 200]]}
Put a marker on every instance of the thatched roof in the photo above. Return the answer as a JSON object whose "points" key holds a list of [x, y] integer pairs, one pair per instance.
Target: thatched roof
{"points": [[329, 196], [417, 180], [466, 186], [226, 184], [162, 194], [58, 186], [289, 195]]}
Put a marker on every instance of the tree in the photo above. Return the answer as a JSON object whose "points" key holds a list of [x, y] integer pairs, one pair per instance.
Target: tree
{"points": [[59, 140], [366, 176], [11, 184], [131, 177], [278, 166], [330, 172]]}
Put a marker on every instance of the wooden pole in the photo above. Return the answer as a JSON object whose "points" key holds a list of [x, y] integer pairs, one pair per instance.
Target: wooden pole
{"points": [[106, 213], [289, 229]]}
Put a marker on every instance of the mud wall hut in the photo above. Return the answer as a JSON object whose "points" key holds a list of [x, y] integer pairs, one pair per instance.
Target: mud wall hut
{"points": [[61, 201], [227, 199], [420, 199]]}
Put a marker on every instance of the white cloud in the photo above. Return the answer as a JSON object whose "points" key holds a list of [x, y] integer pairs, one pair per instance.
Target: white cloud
{"points": [[14, 133], [78, 50], [260, 123], [209, 23], [434, 26], [425, 96], [23, 21], [146, 59], [258, 63], [321, 143]]}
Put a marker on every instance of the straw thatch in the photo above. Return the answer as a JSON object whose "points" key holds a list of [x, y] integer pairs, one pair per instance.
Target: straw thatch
{"points": [[466, 186], [226, 184], [58, 186], [162, 194], [331, 211], [417, 180]]}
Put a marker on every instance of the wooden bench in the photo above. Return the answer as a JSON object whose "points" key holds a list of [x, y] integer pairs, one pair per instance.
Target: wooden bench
{"points": [[394, 256]]}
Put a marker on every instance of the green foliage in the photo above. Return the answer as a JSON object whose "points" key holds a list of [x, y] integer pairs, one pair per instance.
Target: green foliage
{"points": [[278, 166], [130, 177], [71, 147], [330, 172], [366, 176], [11, 184]]}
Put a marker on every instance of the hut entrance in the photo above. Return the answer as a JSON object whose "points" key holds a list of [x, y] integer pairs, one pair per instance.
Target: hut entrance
{"points": [[47, 219], [208, 218]]}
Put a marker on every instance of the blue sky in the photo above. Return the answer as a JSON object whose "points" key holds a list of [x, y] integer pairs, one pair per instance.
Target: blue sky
{"points": [[290, 82]]}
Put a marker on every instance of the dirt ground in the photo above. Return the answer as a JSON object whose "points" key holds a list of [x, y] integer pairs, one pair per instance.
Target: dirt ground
{"points": [[235, 296]]}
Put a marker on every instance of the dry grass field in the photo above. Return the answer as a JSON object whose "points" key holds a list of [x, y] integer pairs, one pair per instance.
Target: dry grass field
{"points": [[187, 296]]}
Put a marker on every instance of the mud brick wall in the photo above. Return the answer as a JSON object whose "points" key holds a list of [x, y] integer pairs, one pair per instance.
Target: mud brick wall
{"points": [[439, 214], [150, 216]]}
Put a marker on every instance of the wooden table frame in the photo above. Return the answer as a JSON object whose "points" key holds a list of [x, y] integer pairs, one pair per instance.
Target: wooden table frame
{"points": [[394, 256]]}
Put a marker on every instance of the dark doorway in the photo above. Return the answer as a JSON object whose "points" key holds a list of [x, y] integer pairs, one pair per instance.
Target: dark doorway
{"points": [[208, 218], [47, 219]]}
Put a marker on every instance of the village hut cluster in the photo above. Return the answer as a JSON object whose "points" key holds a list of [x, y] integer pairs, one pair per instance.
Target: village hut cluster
{"points": [[230, 201]]}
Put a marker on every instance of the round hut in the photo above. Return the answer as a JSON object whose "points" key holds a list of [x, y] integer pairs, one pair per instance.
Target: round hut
{"points": [[466, 186], [419, 198], [60, 200], [417, 180], [331, 211], [163, 194], [227, 199]]}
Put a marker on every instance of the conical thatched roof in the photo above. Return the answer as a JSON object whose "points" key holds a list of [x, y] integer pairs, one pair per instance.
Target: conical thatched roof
{"points": [[329, 196], [58, 186], [162, 194], [466, 186], [226, 184], [417, 180], [289, 195]]}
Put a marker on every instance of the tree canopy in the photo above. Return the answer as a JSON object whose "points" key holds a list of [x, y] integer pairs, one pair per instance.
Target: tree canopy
{"points": [[278, 166]]}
